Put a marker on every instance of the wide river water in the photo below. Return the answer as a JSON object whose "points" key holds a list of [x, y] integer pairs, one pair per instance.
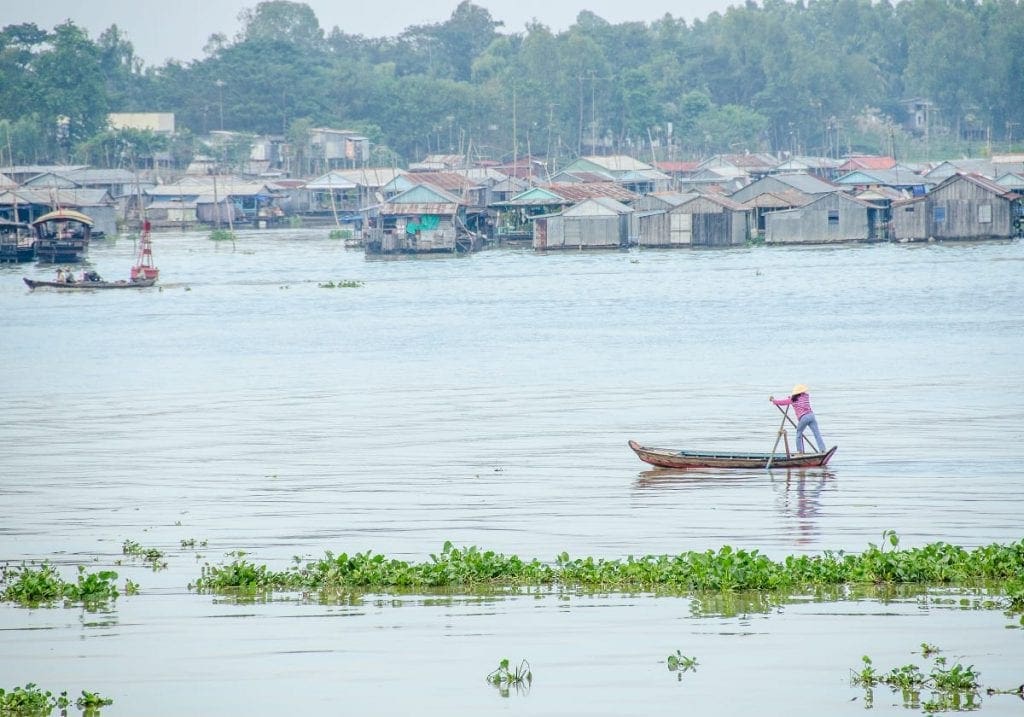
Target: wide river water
{"points": [[487, 400]]}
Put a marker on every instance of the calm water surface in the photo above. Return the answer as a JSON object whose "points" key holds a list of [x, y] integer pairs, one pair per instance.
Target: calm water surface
{"points": [[487, 400]]}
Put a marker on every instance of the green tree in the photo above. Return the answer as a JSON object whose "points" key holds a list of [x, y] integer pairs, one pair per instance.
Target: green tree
{"points": [[294, 23], [73, 104]]}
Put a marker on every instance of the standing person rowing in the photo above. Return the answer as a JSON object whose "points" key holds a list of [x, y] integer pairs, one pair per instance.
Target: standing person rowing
{"points": [[800, 399]]}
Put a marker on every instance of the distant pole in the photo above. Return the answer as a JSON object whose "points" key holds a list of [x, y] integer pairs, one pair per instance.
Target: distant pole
{"points": [[220, 93]]}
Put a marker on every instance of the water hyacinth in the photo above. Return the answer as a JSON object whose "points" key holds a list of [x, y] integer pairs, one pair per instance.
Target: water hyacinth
{"points": [[32, 587], [724, 570]]}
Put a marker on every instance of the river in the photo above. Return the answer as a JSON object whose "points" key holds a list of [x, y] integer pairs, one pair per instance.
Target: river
{"points": [[487, 400]]}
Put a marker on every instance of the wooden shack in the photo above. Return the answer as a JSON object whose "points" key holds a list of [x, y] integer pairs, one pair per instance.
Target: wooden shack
{"points": [[596, 223], [422, 219], [969, 206], [834, 217], [908, 220], [707, 220]]}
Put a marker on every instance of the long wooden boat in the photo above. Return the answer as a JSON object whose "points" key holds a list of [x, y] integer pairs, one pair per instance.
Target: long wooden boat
{"points": [[669, 458], [89, 285]]}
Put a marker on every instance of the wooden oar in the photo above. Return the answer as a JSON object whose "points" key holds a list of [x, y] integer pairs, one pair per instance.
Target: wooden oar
{"points": [[791, 421], [782, 432]]}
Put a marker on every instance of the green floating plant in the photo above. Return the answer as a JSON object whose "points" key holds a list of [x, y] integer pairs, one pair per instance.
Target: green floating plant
{"points": [[506, 677], [33, 587], [32, 701], [727, 570], [949, 688], [681, 663]]}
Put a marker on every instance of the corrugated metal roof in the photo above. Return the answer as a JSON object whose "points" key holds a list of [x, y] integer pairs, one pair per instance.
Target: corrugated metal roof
{"points": [[100, 176], [449, 181], [392, 209], [677, 166], [867, 162], [616, 163], [806, 183], [566, 177], [578, 192], [775, 200], [374, 177], [597, 206], [58, 197], [719, 200]]}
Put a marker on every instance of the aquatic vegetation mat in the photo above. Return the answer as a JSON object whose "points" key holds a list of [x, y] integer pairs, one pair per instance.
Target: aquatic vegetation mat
{"points": [[943, 688], [33, 587], [725, 570], [32, 701]]}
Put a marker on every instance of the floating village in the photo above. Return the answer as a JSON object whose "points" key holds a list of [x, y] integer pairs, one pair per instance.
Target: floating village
{"points": [[457, 204]]}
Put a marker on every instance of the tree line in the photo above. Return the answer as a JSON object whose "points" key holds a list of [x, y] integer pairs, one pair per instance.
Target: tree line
{"points": [[823, 77]]}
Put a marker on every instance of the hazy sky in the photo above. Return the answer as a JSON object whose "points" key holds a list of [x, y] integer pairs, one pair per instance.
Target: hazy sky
{"points": [[179, 28]]}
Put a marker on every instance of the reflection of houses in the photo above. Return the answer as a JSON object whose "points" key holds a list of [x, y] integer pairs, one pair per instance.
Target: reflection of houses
{"points": [[515, 216], [833, 217], [598, 223], [695, 220], [422, 219], [965, 206]]}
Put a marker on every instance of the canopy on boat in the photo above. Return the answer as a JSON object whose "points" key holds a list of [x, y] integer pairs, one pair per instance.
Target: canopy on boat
{"points": [[64, 215]]}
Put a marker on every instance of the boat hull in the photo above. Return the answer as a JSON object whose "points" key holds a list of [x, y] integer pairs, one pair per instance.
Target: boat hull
{"points": [[669, 458], [88, 285]]}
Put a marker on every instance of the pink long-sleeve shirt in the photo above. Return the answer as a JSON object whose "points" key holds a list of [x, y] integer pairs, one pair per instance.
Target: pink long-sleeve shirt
{"points": [[802, 404]]}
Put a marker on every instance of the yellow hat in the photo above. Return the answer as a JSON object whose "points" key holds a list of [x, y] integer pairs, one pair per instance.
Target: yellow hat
{"points": [[799, 388]]}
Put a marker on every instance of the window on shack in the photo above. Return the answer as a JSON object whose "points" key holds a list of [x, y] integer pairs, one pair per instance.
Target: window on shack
{"points": [[985, 214], [939, 214], [833, 217]]}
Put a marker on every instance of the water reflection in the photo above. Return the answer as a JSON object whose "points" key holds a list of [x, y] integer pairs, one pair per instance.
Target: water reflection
{"points": [[669, 478], [798, 495]]}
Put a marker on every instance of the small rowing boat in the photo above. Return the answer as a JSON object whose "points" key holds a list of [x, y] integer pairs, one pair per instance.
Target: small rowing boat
{"points": [[670, 458], [88, 285]]}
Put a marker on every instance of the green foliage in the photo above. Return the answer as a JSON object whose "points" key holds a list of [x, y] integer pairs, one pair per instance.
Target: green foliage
{"points": [[31, 587], [92, 700], [153, 556], [506, 677], [31, 701], [340, 234], [760, 76], [727, 570], [222, 235], [681, 663], [951, 689]]}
